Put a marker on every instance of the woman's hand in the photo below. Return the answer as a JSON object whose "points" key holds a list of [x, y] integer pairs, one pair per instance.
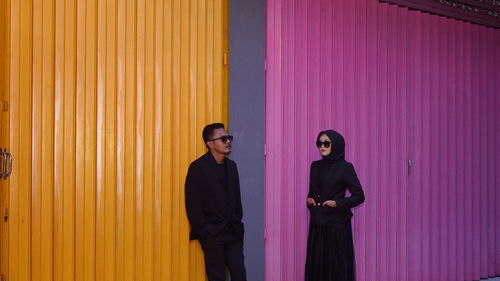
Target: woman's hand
{"points": [[310, 201], [330, 203]]}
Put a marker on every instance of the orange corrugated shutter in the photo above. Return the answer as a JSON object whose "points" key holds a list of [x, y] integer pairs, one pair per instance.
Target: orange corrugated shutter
{"points": [[107, 103]]}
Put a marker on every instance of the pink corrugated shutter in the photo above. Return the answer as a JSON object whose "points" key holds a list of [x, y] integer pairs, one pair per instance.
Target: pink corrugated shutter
{"points": [[406, 89]]}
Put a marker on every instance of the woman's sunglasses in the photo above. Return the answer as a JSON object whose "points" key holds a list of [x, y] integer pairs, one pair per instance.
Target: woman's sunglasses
{"points": [[224, 139], [326, 144]]}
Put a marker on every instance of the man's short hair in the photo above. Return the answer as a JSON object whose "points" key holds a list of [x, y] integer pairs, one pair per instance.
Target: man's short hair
{"points": [[208, 131]]}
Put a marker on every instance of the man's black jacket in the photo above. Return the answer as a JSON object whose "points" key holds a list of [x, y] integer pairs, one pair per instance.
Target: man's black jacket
{"points": [[210, 207]]}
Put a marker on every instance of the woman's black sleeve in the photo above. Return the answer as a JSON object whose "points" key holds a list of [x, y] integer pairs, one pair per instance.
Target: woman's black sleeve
{"points": [[354, 186], [311, 189], [311, 193]]}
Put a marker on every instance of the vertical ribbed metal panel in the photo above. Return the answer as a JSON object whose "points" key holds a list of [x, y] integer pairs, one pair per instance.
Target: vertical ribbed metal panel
{"points": [[108, 100], [4, 128], [496, 191], [452, 120], [401, 86]]}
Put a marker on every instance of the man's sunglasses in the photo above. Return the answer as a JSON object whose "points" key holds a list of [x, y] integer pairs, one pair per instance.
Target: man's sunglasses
{"points": [[224, 139], [326, 144]]}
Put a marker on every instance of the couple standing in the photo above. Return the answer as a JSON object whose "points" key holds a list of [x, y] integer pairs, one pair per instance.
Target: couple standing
{"points": [[213, 205]]}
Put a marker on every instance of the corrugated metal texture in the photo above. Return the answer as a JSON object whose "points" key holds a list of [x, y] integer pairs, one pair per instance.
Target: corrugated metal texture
{"points": [[496, 190], [401, 86], [466, 179], [452, 116], [108, 100], [4, 128]]}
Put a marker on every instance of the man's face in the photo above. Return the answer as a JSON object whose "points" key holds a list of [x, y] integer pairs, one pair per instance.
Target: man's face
{"points": [[217, 143]]}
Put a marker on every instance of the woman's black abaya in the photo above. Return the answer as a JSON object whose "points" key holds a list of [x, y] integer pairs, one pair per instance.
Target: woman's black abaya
{"points": [[330, 250]]}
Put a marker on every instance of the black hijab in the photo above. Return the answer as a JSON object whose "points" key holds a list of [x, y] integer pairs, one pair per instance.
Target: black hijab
{"points": [[338, 146]]}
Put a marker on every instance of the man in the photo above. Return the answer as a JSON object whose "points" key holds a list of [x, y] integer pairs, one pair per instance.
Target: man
{"points": [[213, 205]]}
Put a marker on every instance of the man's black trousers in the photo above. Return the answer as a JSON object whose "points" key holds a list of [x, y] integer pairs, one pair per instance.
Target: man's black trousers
{"points": [[221, 251]]}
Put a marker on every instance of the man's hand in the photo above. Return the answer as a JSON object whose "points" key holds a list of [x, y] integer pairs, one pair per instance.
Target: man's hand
{"points": [[310, 201], [330, 203]]}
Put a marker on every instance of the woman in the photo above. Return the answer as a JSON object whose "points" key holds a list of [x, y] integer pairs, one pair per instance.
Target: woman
{"points": [[330, 250]]}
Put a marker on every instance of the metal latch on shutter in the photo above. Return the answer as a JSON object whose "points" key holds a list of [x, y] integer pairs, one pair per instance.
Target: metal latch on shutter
{"points": [[5, 163]]}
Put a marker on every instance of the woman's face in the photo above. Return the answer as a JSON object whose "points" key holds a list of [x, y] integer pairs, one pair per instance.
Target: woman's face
{"points": [[324, 145]]}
